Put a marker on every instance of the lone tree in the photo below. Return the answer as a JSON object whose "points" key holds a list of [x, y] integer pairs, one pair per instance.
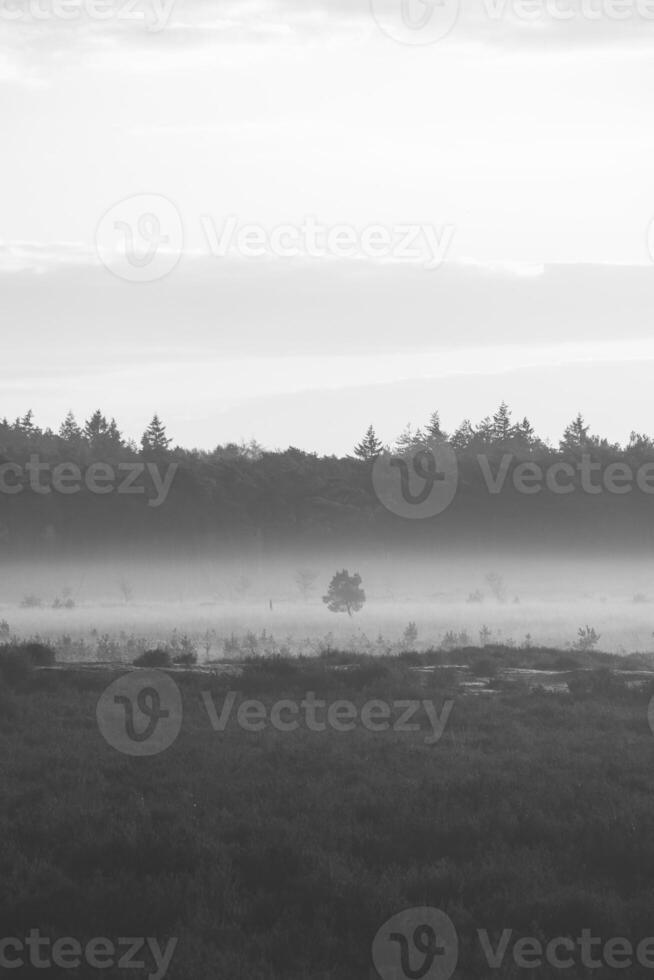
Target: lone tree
{"points": [[370, 447], [345, 593]]}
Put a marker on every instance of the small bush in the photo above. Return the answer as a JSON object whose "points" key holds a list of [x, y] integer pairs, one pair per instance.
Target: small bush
{"points": [[153, 658], [39, 654], [31, 601], [484, 668], [188, 659], [17, 661], [597, 684]]}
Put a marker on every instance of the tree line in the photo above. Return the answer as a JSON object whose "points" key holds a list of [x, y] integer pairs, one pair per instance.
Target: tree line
{"points": [[499, 430], [245, 497]]}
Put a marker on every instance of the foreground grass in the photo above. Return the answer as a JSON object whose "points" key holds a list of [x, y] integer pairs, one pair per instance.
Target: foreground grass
{"points": [[277, 856]]}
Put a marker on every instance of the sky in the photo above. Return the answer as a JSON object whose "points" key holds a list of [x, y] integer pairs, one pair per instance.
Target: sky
{"points": [[162, 161]]}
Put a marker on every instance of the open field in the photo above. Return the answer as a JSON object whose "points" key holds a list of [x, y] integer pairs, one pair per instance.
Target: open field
{"points": [[273, 855], [295, 627], [541, 602]]}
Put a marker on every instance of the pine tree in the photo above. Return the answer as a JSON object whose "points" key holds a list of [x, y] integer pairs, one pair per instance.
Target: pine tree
{"points": [[639, 442], [524, 433], [95, 428], [26, 424], [114, 436], [408, 440], [102, 436], [370, 447], [464, 436], [575, 436], [502, 428], [69, 430], [433, 430], [154, 439], [485, 431]]}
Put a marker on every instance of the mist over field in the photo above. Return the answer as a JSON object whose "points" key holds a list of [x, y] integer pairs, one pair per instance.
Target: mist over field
{"points": [[453, 599]]}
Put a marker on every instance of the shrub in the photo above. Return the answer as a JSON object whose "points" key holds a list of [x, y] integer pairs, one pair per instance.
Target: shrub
{"points": [[153, 658], [410, 636], [31, 601], [587, 638], [17, 661], [600, 683], [187, 659], [39, 654]]}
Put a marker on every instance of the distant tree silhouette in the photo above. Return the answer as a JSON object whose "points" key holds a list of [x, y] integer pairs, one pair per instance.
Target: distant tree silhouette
{"points": [[464, 436], [639, 442], [524, 434], [154, 439], [433, 428], [370, 447], [501, 426], [305, 579], [102, 436], [345, 593], [575, 436], [69, 430], [408, 440]]}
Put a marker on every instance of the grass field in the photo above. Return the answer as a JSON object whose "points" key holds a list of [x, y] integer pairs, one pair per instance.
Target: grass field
{"points": [[293, 628], [275, 855]]}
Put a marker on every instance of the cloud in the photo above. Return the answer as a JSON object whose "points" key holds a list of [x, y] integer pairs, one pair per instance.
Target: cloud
{"points": [[169, 34], [245, 307]]}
